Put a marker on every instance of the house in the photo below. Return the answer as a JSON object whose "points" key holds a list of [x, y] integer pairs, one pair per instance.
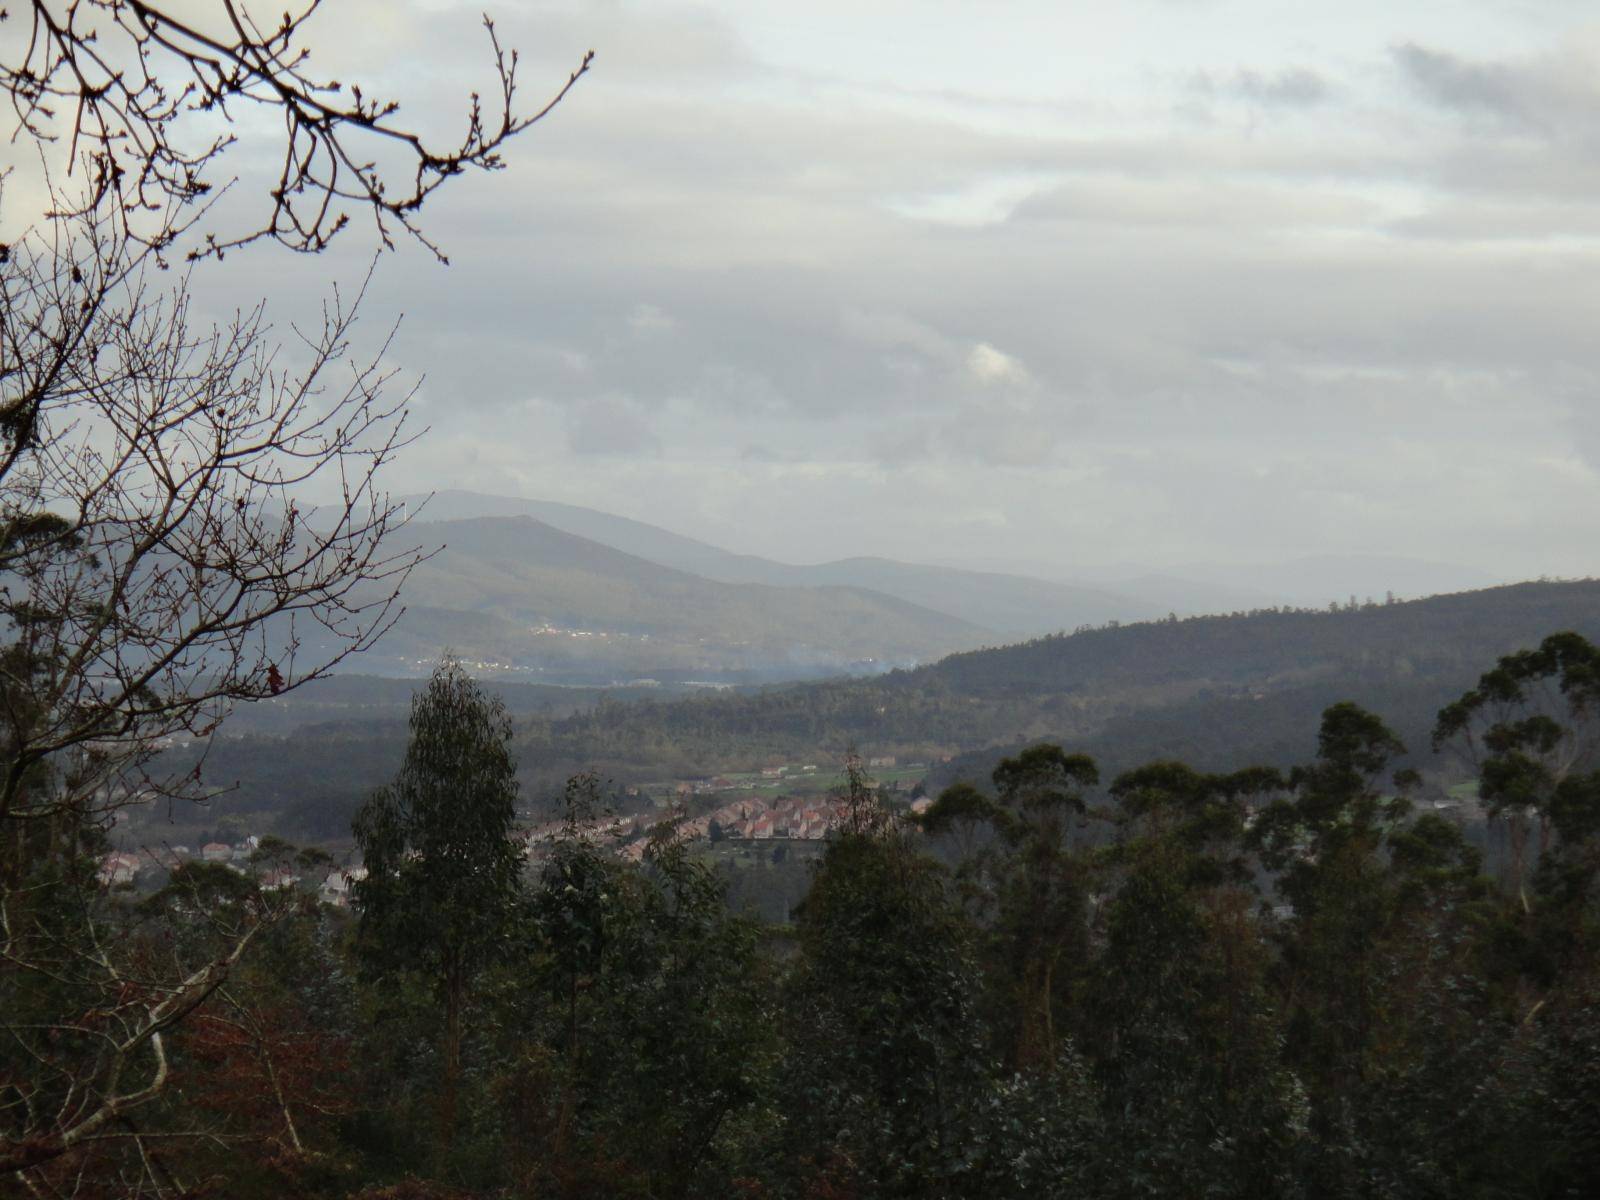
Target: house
{"points": [[117, 870], [278, 880], [881, 760], [335, 889], [215, 852]]}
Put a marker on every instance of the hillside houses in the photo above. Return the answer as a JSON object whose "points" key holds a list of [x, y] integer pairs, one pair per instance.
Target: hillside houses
{"points": [[799, 818], [120, 868]]}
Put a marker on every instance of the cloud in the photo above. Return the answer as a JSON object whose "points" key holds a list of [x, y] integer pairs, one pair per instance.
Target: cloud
{"points": [[991, 366], [1343, 313], [647, 319], [1292, 87], [611, 425], [1295, 87], [1456, 83], [1554, 93]]}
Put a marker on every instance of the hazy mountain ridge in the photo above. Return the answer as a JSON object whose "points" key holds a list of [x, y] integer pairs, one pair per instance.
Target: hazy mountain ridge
{"points": [[1014, 605], [1030, 600], [515, 590]]}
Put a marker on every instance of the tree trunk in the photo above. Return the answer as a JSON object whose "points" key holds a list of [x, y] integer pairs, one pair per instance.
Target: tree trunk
{"points": [[454, 998]]}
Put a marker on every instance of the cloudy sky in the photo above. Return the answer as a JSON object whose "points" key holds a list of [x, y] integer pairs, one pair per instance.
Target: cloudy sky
{"points": [[1006, 283]]}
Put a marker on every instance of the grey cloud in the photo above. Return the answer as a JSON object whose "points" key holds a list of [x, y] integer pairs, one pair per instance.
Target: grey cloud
{"points": [[714, 295], [610, 425], [1294, 87], [1456, 83], [1248, 204], [1583, 416], [1552, 95]]}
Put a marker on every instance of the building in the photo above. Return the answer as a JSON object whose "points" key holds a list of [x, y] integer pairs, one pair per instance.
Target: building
{"points": [[117, 870], [335, 889]]}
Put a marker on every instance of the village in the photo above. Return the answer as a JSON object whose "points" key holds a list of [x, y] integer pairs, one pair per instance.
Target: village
{"points": [[801, 807], [253, 856], [777, 804]]}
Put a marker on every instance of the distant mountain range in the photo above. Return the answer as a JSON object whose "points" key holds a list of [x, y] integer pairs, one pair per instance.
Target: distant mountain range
{"points": [[560, 593], [517, 595], [1011, 605]]}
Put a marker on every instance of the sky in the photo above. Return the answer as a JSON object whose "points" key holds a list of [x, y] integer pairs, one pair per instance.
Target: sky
{"points": [[1008, 284]]}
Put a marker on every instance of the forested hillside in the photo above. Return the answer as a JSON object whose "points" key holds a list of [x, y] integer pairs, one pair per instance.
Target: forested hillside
{"points": [[1078, 687], [1212, 690]]}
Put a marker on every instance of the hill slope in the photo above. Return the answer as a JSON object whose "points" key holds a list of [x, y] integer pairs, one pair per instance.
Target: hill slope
{"points": [[1218, 692], [1015, 605], [1074, 685], [516, 591]]}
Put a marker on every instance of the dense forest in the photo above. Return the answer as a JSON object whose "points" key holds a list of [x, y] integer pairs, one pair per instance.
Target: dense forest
{"points": [[1167, 982]]}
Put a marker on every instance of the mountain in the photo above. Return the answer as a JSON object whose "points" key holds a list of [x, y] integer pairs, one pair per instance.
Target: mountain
{"points": [[518, 593], [644, 541], [1025, 603], [1440, 634], [1013, 605], [1212, 690]]}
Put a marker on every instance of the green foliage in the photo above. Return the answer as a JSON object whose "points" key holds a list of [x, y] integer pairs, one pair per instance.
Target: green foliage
{"points": [[442, 893], [1180, 1006], [1259, 982], [441, 889], [886, 1064]]}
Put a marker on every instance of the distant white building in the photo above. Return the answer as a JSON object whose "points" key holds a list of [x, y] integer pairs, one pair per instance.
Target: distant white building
{"points": [[278, 881], [335, 889], [118, 869]]}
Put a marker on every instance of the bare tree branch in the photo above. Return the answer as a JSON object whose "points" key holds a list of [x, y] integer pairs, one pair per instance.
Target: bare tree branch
{"points": [[121, 82]]}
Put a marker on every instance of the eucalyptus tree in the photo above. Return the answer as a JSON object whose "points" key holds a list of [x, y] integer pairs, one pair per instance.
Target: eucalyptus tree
{"points": [[1184, 1029], [886, 1065], [650, 1010], [1044, 901], [443, 893], [1530, 731]]}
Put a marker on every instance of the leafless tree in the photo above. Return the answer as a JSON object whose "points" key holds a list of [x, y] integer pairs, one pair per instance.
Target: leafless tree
{"points": [[158, 561]]}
